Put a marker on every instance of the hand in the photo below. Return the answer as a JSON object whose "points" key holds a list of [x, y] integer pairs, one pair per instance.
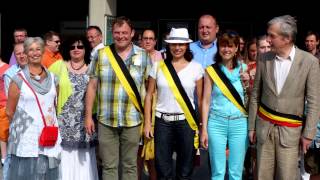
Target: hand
{"points": [[245, 76], [204, 139], [252, 136], [148, 133], [305, 143], [89, 125]]}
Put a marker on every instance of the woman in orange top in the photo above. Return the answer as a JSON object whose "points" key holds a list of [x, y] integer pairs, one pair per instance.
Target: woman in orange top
{"points": [[4, 123]]}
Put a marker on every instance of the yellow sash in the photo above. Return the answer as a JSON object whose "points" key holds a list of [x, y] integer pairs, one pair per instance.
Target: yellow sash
{"points": [[124, 81], [224, 89], [191, 121]]}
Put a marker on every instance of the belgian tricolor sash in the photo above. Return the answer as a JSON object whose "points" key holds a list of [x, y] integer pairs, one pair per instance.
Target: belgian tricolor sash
{"points": [[181, 97], [278, 118], [124, 76], [224, 84]]}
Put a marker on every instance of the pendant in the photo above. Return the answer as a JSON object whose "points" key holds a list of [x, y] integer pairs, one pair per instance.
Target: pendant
{"points": [[37, 77]]}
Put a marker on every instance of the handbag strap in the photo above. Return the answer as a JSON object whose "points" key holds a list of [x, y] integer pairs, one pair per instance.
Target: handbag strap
{"points": [[25, 81]]}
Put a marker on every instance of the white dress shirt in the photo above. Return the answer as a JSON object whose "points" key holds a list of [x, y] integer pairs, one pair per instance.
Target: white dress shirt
{"points": [[282, 68]]}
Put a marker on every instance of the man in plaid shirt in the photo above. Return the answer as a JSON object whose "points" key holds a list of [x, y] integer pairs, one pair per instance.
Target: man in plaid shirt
{"points": [[119, 119]]}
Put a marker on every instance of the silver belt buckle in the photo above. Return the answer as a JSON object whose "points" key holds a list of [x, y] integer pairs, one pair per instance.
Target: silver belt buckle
{"points": [[166, 117]]}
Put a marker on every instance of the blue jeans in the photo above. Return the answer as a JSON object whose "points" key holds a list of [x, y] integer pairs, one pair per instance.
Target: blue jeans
{"points": [[170, 136], [5, 167], [220, 131]]}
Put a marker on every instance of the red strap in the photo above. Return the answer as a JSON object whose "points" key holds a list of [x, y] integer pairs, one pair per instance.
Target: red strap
{"points": [[44, 121]]}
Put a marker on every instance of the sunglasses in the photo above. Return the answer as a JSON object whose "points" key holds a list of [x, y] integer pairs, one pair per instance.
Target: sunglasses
{"points": [[78, 47]]}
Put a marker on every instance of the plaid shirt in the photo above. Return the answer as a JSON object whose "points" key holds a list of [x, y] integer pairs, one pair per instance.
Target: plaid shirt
{"points": [[115, 109]]}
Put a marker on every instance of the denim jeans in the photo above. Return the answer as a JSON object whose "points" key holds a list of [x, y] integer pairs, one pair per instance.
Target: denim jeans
{"points": [[169, 137], [5, 167]]}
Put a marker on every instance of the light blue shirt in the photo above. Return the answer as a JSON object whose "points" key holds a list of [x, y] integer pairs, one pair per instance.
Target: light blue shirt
{"points": [[203, 56], [220, 105], [7, 76]]}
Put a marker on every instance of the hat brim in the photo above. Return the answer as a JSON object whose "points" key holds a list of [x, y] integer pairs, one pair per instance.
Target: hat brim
{"points": [[177, 41]]}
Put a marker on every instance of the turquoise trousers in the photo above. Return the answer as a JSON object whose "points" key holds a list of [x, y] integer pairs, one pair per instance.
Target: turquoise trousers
{"points": [[223, 130]]}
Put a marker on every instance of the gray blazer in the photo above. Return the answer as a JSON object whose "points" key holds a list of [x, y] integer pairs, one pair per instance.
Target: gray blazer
{"points": [[302, 83]]}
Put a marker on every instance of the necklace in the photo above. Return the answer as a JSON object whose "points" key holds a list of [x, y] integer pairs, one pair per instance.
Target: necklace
{"points": [[76, 69], [37, 77]]}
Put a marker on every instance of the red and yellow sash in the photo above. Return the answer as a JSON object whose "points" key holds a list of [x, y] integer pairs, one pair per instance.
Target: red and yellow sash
{"points": [[278, 118]]}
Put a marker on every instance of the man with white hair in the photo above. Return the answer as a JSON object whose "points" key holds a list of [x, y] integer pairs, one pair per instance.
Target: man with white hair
{"points": [[286, 77]]}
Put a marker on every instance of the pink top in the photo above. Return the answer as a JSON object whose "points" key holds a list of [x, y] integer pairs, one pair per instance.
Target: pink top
{"points": [[3, 98]]}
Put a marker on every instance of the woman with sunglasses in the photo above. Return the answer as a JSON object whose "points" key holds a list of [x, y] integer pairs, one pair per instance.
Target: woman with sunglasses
{"points": [[224, 117], [78, 160]]}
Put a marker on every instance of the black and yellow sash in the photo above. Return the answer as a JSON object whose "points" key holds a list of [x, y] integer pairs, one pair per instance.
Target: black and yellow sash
{"points": [[224, 84], [124, 76], [279, 118], [181, 97]]}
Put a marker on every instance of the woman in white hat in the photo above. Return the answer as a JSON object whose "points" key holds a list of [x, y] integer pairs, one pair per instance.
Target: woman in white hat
{"points": [[174, 129]]}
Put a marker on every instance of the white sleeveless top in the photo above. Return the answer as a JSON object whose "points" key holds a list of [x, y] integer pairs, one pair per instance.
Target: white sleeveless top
{"points": [[27, 123]]}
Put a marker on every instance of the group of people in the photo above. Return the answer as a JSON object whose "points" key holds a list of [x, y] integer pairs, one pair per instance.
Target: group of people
{"points": [[202, 94], [48, 88]]}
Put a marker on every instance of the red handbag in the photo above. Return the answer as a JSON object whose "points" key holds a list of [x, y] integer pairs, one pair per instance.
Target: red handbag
{"points": [[49, 134]]}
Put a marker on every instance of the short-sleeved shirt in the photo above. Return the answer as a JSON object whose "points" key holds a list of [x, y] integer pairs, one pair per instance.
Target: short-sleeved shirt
{"points": [[188, 76], [115, 109]]}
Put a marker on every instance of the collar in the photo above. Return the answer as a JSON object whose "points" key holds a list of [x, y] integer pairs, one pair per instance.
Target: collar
{"points": [[212, 44], [50, 53], [291, 55], [99, 46]]}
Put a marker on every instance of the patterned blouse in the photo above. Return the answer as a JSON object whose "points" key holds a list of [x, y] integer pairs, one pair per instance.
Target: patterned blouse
{"points": [[71, 119]]}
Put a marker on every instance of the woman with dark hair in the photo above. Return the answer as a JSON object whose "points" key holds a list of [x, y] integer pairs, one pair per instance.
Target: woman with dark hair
{"points": [[174, 128], [224, 116], [78, 160]]}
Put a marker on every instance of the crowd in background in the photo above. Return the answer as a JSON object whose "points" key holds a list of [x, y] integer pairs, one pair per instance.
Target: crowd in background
{"points": [[251, 104]]}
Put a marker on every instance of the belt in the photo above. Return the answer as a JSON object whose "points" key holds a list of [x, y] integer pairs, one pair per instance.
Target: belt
{"points": [[170, 116]]}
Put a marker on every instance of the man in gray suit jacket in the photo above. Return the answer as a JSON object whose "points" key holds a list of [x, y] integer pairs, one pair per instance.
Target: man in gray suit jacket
{"points": [[286, 77]]}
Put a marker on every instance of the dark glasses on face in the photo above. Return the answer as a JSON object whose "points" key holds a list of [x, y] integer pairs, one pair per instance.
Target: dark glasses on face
{"points": [[78, 47]]}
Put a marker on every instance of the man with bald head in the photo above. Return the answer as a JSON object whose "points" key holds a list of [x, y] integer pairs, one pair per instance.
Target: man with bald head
{"points": [[18, 52], [205, 48]]}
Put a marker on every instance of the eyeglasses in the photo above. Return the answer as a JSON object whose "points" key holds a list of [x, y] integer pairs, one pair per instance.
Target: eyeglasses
{"points": [[78, 47]]}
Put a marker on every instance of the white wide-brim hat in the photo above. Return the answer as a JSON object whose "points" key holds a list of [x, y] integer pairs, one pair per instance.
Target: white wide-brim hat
{"points": [[178, 35]]}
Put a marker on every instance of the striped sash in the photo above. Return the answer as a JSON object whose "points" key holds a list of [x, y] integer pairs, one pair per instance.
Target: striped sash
{"points": [[181, 96], [224, 84], [278, 118], [125, 77]]}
